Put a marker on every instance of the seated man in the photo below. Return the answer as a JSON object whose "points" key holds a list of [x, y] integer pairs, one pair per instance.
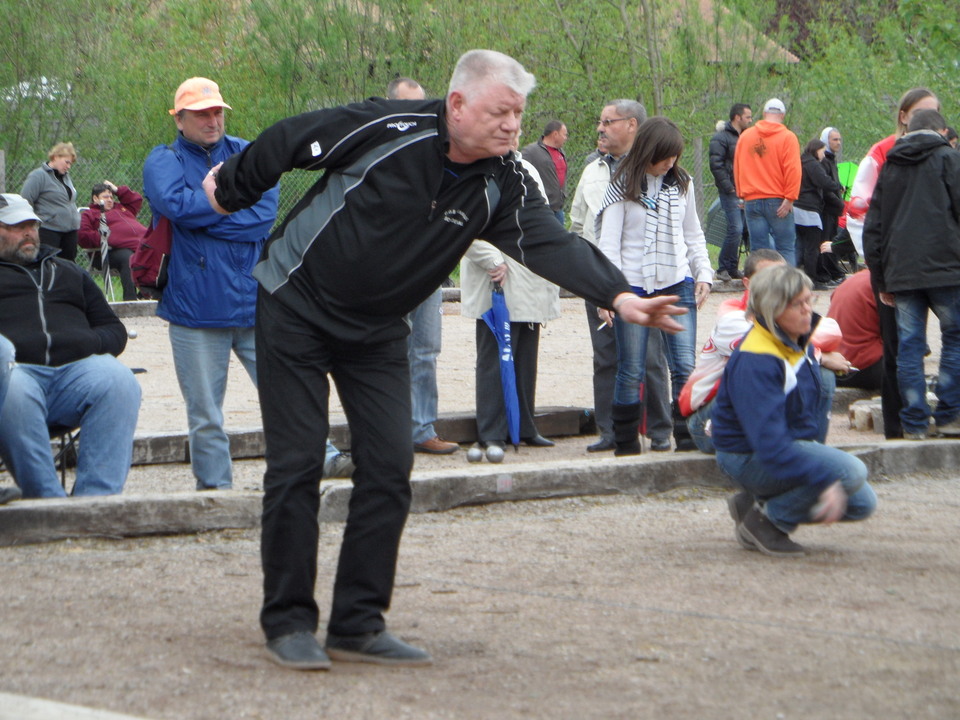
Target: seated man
{"points": [[66, 337]]}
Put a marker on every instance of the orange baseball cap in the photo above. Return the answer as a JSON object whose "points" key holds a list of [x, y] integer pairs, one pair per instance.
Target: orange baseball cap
{"points": [[197, 93]]}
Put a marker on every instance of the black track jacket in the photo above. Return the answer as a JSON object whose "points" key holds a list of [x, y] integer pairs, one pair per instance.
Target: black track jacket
{"points": [[380, 230]]}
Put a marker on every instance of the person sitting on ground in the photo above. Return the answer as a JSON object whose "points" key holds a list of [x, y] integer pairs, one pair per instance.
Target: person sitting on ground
{"points": [[120, 206], [765, 425], [66, 339], [854, 306]]}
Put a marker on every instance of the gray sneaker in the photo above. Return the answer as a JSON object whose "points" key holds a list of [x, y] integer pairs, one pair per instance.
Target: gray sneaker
{"points": [[298, 651], [951, 429], [766, 537], [380, 648], [339, 466]]}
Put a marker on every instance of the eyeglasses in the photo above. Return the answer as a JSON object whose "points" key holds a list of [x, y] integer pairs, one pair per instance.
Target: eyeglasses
{"points": [[609, 121]]}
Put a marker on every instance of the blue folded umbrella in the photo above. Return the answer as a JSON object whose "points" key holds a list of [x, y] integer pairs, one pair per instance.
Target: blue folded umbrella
{"points": [[497, 319]]}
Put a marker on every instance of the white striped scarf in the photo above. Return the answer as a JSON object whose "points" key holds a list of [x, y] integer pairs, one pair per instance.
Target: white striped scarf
{"points": [[662, 240]]}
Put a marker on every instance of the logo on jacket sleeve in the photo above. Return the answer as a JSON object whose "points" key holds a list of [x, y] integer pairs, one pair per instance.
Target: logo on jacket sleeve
{"points": [[402, 125], [456, 217], [315, 148]]}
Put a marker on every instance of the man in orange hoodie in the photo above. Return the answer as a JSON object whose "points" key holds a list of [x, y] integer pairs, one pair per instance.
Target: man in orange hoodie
{"points": [[766, 170]]}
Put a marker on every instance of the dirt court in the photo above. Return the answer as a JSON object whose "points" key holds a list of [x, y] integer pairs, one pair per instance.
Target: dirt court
{"points": [[613, 607], [594, 607]]}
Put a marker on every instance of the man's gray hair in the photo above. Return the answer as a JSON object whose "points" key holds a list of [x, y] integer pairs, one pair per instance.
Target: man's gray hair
{"points": [[773, 289], [394, 86], [629, 109], [478, 68]]}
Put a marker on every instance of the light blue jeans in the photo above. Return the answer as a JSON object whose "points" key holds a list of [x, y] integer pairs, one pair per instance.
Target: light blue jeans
{"points": [[680, 349], [97, 394], [423, 347], [787, 503], [912, 309], [769, 231], [202, 357], [7, 353]]}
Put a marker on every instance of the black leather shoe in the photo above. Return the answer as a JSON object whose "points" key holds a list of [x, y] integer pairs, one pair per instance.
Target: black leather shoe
{"points": [[538, 441], [602, 445], [380, 648], [9, 494], [299, 651]]}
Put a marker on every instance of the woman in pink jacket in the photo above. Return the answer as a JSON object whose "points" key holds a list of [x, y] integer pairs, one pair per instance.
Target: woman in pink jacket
{"points": [[126, 231]]}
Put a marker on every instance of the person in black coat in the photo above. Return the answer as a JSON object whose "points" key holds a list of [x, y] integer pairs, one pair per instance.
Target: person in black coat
{"points": [[808, 211]]}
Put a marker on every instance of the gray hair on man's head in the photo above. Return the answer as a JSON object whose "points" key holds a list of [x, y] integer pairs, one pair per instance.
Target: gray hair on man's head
{"points": [[773, 289], [629, 109], [478, 68]]}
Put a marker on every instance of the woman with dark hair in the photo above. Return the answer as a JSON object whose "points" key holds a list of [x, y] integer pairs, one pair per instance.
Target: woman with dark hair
{"points": [[919, 98], [766, 421], [50, 191], [648, 227], [126, 231], [808, 213]]}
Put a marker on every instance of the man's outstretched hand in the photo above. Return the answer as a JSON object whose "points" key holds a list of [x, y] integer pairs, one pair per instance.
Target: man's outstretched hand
{"points": [[655, 312]]}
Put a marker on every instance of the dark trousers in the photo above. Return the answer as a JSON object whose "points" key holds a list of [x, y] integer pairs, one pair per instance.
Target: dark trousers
{"points": [[66, 241], [491, 409], [890, 402], [808, 251], [657, 422], [294, 359], [604, 371], [119, 261]]}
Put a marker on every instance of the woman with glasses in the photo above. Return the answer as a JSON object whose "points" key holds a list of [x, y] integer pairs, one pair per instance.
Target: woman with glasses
{"points": [[648, 227], [50, 191], [767, 421]]}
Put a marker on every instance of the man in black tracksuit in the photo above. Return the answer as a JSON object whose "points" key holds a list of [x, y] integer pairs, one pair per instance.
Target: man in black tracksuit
{"points": [[408, 186], [911, 243]]}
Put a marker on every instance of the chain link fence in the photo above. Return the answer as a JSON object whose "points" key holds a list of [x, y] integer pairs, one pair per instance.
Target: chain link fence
{"points": [[89, 171]]}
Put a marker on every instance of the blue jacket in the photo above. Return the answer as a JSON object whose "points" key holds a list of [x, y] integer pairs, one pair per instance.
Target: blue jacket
{"points": [[768, 399], [212, 256]]}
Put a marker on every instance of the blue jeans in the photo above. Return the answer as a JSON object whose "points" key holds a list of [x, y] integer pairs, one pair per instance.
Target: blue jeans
{"points": [[730, 252], [697, 425], [558, 214], [632, 349], [787, 503], [7, 353], [98, 394], [423, 347], [201, 357], [912, 307], [762, 223]]}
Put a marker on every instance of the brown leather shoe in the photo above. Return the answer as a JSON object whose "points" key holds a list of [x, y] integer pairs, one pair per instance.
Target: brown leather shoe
{"points": [[436, 446]]}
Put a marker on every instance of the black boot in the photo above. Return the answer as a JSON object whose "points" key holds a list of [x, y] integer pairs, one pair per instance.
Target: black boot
{"points": [[626, 424], [681, 434]]}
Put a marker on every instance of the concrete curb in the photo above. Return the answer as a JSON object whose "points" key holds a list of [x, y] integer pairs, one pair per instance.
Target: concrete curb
{"points": [[18, 707], [34, 521]]}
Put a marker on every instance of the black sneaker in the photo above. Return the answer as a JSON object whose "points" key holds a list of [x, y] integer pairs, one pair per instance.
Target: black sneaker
{"points": [[299, 651], [723, 276], [380, 648], [766, 537], [660, 445], [739, 505]]}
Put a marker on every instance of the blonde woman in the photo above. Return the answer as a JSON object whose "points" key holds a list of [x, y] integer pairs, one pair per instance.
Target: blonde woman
{"points": [[50, 191]]}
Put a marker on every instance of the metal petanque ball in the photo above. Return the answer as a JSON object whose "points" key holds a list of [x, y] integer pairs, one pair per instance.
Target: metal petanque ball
{"points": [[495, 454], [474, 455]]}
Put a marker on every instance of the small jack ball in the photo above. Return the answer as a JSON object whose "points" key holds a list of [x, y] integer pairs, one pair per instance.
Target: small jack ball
{"points": [[495, 454]]}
